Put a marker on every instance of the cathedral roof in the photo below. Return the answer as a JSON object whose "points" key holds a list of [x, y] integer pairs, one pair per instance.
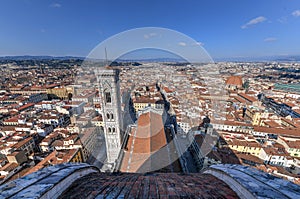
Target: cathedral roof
{"points": [[85, 181], [143, 141]]}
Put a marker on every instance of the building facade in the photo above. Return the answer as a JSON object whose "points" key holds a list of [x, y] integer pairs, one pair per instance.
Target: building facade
{"points": [[109, 93]]}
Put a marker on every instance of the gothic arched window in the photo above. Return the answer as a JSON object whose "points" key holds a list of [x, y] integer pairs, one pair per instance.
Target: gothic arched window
{"points": [[111, 116], [107, 97], [108, 116], [113, 130], [109, 129]]}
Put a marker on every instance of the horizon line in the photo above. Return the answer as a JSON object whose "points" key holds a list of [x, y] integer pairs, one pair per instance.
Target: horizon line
{"points": [[266, 58]]}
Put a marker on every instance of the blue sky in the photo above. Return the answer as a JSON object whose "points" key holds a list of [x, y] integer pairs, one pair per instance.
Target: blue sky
{"points": [[226, 28]]}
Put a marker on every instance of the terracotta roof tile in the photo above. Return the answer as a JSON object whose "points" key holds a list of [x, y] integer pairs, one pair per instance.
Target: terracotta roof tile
{"points": [[151, 185], [234, 80], [144, 140]]}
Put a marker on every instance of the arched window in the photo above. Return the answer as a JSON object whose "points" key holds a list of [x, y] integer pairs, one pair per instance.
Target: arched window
{"points": [[109, 129], [111, 116], [113, 130], [108, 116], [107, 97]]}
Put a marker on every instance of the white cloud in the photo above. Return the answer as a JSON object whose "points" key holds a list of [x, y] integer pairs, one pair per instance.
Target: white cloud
{"points": [[198, 43], [147, 36], [296, 13], [270, 39], [254, 21], [55, 5], [182, 44]]}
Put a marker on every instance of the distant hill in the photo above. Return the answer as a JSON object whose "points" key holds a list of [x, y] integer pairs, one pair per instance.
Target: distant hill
{"points": [[294, 58], [152, 60], [29, 57], [289, 58], [279, 58]]}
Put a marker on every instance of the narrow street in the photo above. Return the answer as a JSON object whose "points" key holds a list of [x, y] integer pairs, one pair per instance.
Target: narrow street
{"points": [[182, 145]]}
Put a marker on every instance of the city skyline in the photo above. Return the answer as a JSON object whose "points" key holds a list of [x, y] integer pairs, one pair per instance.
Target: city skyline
{"points": [[228, 29], [150, 99]]}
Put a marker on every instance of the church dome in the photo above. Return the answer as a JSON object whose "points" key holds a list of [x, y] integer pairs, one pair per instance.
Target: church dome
{"points": [[234, 81], [85, 181]]}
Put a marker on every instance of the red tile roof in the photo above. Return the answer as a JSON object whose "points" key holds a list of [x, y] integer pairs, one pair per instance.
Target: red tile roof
{"points": [[22, 143], [247, 97], [25, 106], [157, 185], [279, 131], [234, 80], [147, 138]]}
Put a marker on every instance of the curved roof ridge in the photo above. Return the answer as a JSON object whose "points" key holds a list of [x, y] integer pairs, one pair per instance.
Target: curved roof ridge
{"points": [[36, 184], [258, 183]]}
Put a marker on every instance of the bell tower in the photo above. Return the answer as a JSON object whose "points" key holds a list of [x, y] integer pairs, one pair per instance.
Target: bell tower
{"points": [[109, 92]]}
